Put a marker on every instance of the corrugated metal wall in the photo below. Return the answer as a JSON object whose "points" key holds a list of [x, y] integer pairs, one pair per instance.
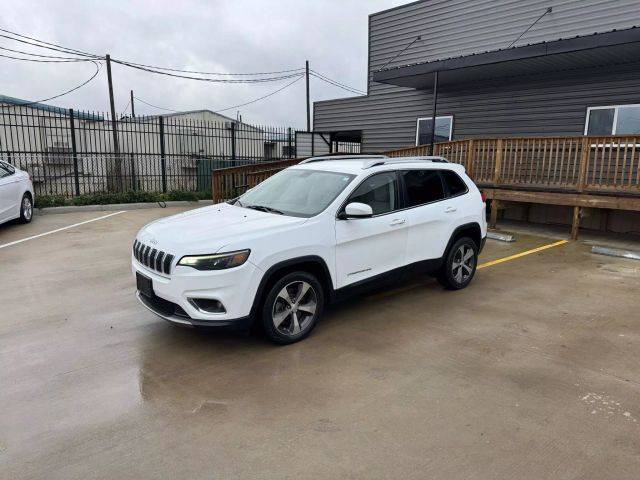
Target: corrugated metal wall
{"points": [[308, 144], [550, 104]]}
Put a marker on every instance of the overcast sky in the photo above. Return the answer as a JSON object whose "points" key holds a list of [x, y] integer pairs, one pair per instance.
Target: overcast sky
{"points": [[219, 36]]}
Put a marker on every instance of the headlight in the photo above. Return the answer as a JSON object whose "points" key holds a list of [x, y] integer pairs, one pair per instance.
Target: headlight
{"points": [[217, 261]]}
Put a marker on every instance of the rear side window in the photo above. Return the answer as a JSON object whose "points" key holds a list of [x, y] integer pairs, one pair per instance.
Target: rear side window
{"points": [[454, 183], [6, 170], [379, 191], [422, 186]]}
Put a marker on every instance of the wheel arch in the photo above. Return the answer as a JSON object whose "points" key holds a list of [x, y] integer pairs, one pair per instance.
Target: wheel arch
{"points": [[310, 263], [471, 230]]}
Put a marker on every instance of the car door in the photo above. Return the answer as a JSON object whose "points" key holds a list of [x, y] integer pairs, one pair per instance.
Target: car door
{"points": [[366, 247], [9, 191], [458, 205], [427, 215]]}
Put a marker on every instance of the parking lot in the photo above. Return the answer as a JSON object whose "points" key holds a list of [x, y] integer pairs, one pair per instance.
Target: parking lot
{"points": [[531, 372]]}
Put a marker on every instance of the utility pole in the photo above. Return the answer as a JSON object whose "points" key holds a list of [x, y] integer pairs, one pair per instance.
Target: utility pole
{"points": [[115, 171], [308, 104], [133, 109], [114, 129]]}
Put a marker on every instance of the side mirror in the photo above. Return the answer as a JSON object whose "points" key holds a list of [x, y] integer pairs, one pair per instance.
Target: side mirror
{"points": [[358, 210]]}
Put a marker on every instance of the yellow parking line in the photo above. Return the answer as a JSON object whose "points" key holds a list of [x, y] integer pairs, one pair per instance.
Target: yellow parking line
{"points": [[522, 254]]}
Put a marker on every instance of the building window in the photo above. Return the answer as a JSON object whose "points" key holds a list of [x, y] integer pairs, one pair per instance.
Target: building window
{"points": [[613, 120], [444, 129]]}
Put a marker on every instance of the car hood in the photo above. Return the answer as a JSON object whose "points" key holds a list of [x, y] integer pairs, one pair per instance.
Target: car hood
{"points": [[209, 229]]}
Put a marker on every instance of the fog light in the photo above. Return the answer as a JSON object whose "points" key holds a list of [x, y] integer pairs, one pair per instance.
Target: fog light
{"points": [[208, 305]]}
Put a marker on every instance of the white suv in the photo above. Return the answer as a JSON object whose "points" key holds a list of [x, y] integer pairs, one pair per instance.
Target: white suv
{"points": [[307, 236]]}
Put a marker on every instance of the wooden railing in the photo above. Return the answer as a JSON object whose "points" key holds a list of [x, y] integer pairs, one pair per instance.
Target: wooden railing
{"points": [[553, 164], [228, 183], [575, 164]]}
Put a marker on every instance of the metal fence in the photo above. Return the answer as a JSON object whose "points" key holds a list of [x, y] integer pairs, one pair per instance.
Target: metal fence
{"points": [[72, 153]]}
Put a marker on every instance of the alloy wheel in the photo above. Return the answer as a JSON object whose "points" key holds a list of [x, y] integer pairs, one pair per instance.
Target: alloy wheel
{"points": [[294, 308], [463, 263], [27, 208]]}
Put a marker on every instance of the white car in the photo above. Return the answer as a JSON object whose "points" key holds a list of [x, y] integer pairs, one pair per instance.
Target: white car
{"points": [[16, 194], [309, 235]]}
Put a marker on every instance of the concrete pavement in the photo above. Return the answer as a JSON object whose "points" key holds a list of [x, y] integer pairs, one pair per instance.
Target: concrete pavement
{"points": [[530, 373]]}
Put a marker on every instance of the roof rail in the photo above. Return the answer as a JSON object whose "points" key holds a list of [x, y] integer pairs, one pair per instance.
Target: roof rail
{"points": [[344, 157], [393, 160]]}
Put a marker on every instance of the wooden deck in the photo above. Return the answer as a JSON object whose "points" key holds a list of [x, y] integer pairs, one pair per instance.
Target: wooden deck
{"points": [[580, 172]]}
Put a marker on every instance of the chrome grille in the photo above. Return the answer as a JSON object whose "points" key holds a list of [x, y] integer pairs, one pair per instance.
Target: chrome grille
{"points": [[152, 258]]}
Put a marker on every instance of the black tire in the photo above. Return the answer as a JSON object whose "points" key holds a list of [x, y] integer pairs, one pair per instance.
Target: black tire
{"points": [[26, 208], [275, 308], [453, 274]]}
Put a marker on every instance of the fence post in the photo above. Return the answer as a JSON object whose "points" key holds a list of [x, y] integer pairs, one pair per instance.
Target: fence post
{"points": [[134, 185], [289, 142], [74, 152], [163, 161], [213, 187], [233, 140], [584, 161], [470, 153], [495, 204], [498, 162]]}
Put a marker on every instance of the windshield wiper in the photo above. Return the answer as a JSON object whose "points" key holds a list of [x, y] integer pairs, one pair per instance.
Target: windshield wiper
{"points": [[262, 208]]}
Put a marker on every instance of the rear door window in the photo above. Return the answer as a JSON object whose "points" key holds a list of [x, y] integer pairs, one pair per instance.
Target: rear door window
{"points": [[422, 186], [455, 185]]}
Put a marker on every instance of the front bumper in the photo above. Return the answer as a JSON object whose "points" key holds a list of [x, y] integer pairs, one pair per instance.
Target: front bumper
{"points": [[235, 288], [161, 308]]}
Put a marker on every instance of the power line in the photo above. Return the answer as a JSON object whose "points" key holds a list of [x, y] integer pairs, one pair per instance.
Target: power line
{"points": [[95, 74], [336, 83], [548, 10], [44, 56], [55, 46], [263, 97], [37, 60], [227, 108], [211, 80], [357, 92], [297, 70], [125, 107], [289, 73], [155, 106]]}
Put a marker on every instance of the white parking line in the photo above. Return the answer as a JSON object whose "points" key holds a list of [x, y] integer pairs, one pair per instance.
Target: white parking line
{"points": [[60, 229]]}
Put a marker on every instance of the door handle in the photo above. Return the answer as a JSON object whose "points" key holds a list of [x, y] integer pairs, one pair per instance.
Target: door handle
{"points": [[450, 210], [397, 221]]}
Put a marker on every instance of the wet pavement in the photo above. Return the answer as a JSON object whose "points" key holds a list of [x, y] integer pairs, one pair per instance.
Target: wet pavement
{"points": [[532, 372]]}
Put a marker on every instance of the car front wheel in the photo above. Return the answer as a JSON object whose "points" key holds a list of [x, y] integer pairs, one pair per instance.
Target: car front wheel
{"points": [[292, 308], [459, 265], [26, 209]]}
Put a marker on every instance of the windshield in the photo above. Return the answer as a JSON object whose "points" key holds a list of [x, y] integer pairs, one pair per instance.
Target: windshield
{"points": [[296, 192]]}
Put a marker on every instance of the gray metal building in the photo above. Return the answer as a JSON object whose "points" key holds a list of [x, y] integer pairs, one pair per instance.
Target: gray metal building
{"points": [[577, 69]]}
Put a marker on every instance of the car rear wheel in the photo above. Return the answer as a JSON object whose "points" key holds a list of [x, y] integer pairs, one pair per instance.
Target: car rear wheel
{"points": [[292, 308], [26, 209], [459, 265]]}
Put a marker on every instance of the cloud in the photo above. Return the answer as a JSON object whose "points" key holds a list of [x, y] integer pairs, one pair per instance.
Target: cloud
{"points": [[226, 36]]}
